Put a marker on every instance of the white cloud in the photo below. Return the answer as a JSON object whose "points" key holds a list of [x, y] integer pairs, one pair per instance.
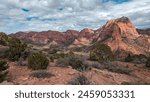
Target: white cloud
{"points": [[61, 15]]}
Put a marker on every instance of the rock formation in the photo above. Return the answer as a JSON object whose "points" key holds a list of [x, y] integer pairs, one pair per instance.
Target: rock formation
{"points": [[121, 35]]}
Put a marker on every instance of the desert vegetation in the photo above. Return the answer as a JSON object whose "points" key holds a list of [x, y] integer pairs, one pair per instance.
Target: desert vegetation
{"points": [[148, 62], [75, 61], [42, 74], [88, 57], [80, 80], [117, 69], [99, 56], [138, 59], [16, 48], [3, 70], [135, 83], [37, 61], [101, 52], [3, 39]]}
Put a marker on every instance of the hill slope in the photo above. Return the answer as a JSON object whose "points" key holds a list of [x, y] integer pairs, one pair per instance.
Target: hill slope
{"points": [[121, 35]]}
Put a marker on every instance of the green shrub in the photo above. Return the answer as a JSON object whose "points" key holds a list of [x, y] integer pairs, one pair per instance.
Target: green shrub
{"points": [[120, 70], [52, 57], [80, 80], [117, 69], [138, 59], [4, 52], [128, 58], [16, 48], [3, 39], [42, 74], [78, 49], [3, 70], [63, 62], [101, 52], [37, 61], [53, 49], [3, 65], [22, 62], [77, 64], [148, 62], [94, 64], [135, 83], [75, 61]]}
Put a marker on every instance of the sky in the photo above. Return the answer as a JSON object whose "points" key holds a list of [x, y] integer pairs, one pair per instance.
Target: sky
{"points": [[61, 15]]}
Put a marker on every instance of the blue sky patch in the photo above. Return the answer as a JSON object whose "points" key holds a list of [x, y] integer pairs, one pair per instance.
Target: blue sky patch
{"points": [[49, 19], [32, 18], [37, 18], [25, 10], [116, 1]]}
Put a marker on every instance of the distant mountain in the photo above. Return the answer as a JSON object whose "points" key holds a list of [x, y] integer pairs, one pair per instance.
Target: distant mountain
{"points": [[120, 34], [46, 37], [144, 31]]}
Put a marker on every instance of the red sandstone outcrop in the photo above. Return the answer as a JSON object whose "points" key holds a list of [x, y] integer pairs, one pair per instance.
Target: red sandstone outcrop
{"points": [[85, 37], [62, 38], [86, 33], [121, 35], [46, 37]]}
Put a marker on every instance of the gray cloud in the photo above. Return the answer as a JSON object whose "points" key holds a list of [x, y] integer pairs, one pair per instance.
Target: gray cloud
{"points": [[68, 14]]}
